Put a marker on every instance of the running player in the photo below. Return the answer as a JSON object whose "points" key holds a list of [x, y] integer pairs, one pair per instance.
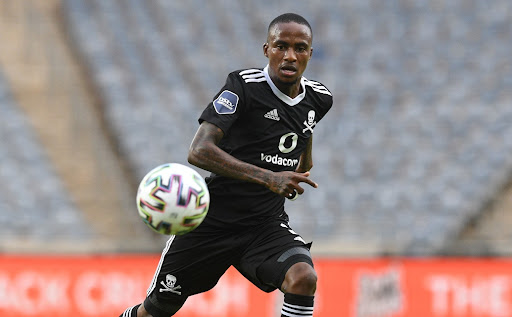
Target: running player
{"points": [[256, 139]]}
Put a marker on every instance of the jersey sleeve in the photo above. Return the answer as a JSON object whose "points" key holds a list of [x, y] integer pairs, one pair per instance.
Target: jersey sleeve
{"points": [[325, 99], [327, 105], [227, 104]]}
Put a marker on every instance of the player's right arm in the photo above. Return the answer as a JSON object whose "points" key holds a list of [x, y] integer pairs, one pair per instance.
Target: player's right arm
{"points": [[306, 158], [205, 153]]}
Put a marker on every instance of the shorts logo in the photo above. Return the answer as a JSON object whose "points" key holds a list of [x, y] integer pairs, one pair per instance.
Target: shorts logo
{"points": [[170, 281], [226, 102]]}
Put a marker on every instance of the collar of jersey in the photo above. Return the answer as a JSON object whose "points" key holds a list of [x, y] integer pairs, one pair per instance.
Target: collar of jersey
{"points": [[285, 98]]}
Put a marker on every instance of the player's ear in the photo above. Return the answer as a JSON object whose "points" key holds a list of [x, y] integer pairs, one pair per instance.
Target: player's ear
{"points": [[310, 53], [265, 48]]}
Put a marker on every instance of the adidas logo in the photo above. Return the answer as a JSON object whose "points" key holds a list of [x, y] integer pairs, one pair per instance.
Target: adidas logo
{"points": [[272, 114]]}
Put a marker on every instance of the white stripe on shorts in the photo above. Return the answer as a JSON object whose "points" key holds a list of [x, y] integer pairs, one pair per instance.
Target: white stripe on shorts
{"points": [[159, 267]]}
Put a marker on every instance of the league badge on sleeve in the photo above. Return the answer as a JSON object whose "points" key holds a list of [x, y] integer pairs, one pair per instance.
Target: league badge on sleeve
{"points": [[226, 102]]}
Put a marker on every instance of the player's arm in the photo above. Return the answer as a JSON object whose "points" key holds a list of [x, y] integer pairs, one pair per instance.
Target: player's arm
{"points": [[205, 153], [306, 158]]}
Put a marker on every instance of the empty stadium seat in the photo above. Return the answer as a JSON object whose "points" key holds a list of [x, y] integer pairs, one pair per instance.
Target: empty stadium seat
{"points": [[419, 136], [34, 204]]}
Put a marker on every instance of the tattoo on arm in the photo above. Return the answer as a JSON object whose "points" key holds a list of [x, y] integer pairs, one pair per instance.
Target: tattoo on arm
{"points": [[205, 153]]}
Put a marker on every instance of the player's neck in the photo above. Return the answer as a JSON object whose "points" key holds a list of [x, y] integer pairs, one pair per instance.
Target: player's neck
{"points": [[292, 90]]}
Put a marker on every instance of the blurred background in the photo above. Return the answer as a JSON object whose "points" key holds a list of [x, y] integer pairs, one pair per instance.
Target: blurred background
{"points": [[415, 156], [414, 159]]}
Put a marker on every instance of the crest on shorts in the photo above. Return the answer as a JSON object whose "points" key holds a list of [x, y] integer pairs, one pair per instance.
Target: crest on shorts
{"points": [[226, 102], [170, 285]]}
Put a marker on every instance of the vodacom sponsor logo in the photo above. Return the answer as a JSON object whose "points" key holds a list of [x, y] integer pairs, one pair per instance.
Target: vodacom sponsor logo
{"points": [[278, 160]]}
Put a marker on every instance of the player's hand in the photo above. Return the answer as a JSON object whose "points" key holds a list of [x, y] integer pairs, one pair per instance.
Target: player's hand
{"points": [[287, 184]]}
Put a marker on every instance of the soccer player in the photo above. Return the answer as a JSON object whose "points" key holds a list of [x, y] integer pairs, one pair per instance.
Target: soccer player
{"points": [[255, 138]]}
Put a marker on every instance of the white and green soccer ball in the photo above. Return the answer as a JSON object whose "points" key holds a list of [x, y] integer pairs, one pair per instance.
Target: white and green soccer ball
{"points": [[173, 199]]}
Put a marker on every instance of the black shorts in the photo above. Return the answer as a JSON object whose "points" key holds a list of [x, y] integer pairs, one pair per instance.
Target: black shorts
{"points": [[193, 263]]}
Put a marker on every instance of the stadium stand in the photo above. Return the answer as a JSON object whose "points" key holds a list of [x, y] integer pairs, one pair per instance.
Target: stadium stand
{"points": [[55, 97], [35, 206], [419, 139]]}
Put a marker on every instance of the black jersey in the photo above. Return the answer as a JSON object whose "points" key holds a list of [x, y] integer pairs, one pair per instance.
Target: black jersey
{"points": [[264, 127]]}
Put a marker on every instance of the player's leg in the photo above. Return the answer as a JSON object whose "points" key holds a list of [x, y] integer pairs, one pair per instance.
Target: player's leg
{"points": [[300, 279], [132, 312], [140, 311], [280, 259], [154, 305], [299, 288], [181, 271], [298, 282]]}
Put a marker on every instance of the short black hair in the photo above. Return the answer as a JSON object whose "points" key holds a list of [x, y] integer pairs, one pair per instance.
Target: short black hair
{"points": [[290, 17]]}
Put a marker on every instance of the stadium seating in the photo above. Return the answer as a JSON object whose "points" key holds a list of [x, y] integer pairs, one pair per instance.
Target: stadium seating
{"points": [[35, 206], [419, 139]]}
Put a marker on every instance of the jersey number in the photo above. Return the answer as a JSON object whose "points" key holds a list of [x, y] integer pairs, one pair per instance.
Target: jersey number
{"points": [[285, 149]]}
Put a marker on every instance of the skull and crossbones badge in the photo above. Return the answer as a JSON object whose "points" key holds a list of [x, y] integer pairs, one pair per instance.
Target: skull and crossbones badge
{"points": [[169, 285], [310, 122]]}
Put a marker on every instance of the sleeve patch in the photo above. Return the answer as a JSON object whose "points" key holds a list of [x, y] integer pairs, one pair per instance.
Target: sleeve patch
{"points": [[226, 102]]}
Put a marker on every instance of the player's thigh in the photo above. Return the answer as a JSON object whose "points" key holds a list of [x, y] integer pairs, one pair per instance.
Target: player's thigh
{"points": [[190, 264], [273, 271], [269, 257]]}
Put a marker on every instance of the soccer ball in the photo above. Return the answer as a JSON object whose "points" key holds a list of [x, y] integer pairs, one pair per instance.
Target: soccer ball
{"points": [[173, 199]]}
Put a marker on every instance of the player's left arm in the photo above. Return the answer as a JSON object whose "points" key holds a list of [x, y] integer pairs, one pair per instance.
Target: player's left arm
{"points": [[205, 153], [306, 158]]}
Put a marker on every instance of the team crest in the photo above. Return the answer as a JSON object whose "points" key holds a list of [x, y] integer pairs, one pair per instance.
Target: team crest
{"points": [[226, 102], [170, 285], [310, 122]]}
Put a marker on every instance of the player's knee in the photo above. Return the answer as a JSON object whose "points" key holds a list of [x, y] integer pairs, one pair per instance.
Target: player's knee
{"points": [[143, 312], [164, 308], [300, 279]]}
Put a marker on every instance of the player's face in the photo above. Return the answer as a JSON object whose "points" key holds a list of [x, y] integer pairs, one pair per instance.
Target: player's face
{"points": [[289, 50]]}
